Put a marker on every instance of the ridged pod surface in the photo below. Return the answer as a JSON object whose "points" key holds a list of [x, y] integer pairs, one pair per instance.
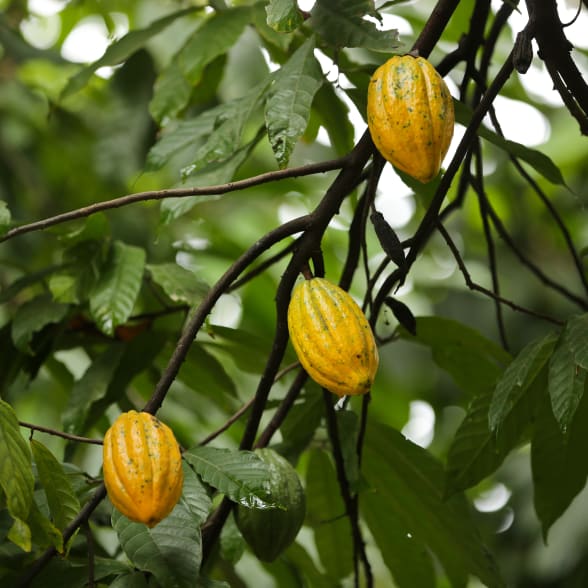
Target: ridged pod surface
{"points": [[269, 531], [332, 337], [410, 115], [142, 467]]}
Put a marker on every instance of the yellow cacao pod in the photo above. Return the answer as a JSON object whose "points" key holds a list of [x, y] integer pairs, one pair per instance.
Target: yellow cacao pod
{"points": [[332, 337], [410, 115], [142, 467]]}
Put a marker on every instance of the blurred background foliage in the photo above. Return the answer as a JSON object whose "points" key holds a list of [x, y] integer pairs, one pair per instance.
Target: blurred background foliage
{"points": [[61, 153]]}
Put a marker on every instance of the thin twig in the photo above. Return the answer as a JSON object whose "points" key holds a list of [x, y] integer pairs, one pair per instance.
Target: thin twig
{"points": [[306, 170], [474, 286], [56, 433]]}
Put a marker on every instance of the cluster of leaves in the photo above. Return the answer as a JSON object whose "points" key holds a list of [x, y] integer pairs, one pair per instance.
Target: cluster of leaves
{"points": [[115, 313]]}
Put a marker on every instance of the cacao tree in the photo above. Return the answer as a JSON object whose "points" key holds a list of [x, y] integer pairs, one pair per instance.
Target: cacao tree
{"points": [[170, 171]]}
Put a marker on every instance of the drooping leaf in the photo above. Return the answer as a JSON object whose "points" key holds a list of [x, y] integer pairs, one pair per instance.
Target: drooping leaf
{"points": [[325, 512], [565, 383], [240, 475], [32, 317], [179, 283], [402, 313], [283, 15], [341, 23], [558, 462], [16, 475], [518, 377], [44, 533], [114, 296], [215, 37], [171, 551], [576, 334], [388, 238], [475, 452], [63, 504], [122, 49], [409, 481], [473, 361], [287, 109]]}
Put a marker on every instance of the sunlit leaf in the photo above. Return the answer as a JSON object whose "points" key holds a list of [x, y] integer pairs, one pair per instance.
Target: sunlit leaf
{"points": [[283, 15]]}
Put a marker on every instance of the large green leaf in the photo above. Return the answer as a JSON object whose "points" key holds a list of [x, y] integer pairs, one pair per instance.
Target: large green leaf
{"points": [[576, 334], [43, 532], [342, 24], [240, 475], [325, 512], [32, 317], [518, 377], [405, 556], [215, 37], [179, 283], [63, 504], [5, 217], [16, 475], [474, 362], [171, 551], [475, 452], [287, 108], [410, 481], [558, 462], [114, 296], [122, 49]]}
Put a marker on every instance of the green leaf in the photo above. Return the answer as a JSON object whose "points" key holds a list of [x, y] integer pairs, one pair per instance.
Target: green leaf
{"points": [[64, 505], [409, 481], [171, 551], [32, 317], [325, 512], [334, 116], [576, 334], [301, 561], [565, 383], [407, 558], [240, 475], [473, 361], [43, 532], [114, 296], [288, 106], [20, 533], [225, 139], [348, 428], [16, 474], [195, 496], [283, 16], [558, 462], [130, 580], [182, 136], [5, 218], [120, 50], [341, 23], [540, 162], [474, 452], [214, 38], [179, 283], [518, 377]]}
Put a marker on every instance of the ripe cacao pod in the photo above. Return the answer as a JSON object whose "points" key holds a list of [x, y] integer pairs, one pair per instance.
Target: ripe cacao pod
{"points": [[410, 115], [271, 530], [142, 467], [332, 337]]}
